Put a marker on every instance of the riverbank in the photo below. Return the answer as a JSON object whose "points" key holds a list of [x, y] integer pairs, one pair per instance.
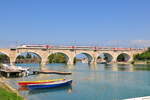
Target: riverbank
{"points": [[7, 92]]}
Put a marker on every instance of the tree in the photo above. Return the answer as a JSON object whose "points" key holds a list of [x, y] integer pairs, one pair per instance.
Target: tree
{"points": [[148, 49], [143, 56], [99, 57], [57, 58], [121, 58], [20, 57], [28, 56], [4, 58]]}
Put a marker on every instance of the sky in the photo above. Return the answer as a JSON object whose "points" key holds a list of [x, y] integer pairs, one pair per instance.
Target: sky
{"points": [[74, 22]]}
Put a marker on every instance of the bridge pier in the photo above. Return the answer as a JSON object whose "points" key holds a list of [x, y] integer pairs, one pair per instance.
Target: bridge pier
{"points": [[44, 60], [131, 58], [12, 60], [43, 64], [92, 62], [12, 63], [70, 61]]}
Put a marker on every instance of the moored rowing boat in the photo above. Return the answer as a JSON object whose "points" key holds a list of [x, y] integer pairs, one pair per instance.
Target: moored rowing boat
{"points": [[25, 83], [50, 85]]}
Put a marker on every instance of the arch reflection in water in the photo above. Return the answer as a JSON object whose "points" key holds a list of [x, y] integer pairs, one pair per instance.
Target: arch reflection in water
{"points": [[120, 67], [67, 89]]}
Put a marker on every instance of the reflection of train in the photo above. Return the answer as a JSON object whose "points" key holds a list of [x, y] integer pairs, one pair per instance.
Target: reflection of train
{"points": [[77, 47]]}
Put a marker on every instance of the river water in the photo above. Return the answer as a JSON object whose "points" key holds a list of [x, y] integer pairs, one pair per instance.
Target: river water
{"points": [[91, 82]]}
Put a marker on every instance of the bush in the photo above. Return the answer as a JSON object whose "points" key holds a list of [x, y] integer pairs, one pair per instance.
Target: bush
{"points": [[132, 62], [143, 56], [148, 62], [57, 58]]}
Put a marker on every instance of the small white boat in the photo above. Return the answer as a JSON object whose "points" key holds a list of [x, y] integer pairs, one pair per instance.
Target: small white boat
{"points": [[139, 98]]}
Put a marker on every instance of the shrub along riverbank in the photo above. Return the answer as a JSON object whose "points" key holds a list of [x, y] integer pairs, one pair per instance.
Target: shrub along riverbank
{"points": [[143, 58]]}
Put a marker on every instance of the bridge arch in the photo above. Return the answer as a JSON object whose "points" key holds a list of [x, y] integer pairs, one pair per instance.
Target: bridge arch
{"points": [[87, 57], [58, 57], [123, 57], [29, 57], [4, 58], [104, 57]]}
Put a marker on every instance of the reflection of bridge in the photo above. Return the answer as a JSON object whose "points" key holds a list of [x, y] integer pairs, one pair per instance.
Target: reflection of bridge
{"points": [[71, 53]]}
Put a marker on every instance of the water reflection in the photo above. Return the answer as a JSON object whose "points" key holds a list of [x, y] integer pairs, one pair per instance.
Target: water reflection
{"points": [[142, 67], [111, 67], [67, 89], [94, 82], [23, 88], [116, 67], [127, 67]]}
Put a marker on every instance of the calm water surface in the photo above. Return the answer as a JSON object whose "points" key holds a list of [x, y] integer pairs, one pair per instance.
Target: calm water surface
{"points": [[91, 82]]}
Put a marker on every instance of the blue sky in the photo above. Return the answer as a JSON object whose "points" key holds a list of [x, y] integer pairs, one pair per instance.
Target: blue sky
{"points": [[73, 21]]}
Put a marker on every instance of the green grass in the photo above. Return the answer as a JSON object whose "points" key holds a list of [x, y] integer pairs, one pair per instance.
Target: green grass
{"points": [[7, 95]]}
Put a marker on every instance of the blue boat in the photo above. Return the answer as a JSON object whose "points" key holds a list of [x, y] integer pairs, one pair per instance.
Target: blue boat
{"points": [[60, 83]]}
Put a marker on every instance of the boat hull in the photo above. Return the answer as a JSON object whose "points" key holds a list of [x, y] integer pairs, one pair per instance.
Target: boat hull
{"points": [[25, 83], [51, 85]]}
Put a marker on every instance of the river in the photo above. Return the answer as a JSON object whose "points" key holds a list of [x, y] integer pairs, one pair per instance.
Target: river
{"points": [[91, 82]]}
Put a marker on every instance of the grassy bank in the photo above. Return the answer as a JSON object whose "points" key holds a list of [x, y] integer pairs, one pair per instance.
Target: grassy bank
{"points": [[140, 62], [7, 92], [9, 95]]}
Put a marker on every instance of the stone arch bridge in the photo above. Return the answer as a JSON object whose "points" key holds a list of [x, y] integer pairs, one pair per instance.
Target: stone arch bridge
{"points": [[70, 53]]}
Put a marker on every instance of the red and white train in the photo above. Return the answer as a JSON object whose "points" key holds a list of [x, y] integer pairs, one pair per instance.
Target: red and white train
{"points": [[75, 47], [34, 46]]}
